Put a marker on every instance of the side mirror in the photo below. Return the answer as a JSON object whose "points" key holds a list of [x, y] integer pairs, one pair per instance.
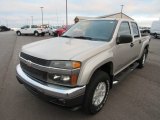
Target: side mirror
{"points": [[124, 39], [22, 27]]}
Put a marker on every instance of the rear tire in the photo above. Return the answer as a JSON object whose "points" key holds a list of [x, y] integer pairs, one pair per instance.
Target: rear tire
{"points": [[42, 34], [18, 33], [36, 33], [55, 35], [96, 92], [143, 58], [155, 35]]}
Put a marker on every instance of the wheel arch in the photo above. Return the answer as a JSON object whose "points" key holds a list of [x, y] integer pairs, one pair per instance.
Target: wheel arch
{"points": [[35, 31], [17, 31], [144, 46], [147, 47], [106, 67]]}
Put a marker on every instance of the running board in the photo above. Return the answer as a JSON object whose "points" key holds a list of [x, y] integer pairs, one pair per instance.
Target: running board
{"points": [[124, 73]]}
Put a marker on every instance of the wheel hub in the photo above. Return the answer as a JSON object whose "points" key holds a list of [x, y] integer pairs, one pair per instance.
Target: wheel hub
{"points": [[144, 58], [99, 94]]}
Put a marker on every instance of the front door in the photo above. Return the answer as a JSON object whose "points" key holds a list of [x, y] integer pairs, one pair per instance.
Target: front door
{"points": [[123, 54], [25, 29]]}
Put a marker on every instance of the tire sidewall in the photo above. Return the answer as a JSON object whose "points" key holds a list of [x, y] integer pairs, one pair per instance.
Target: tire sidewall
{"points": [[18, 33], [98, 77], [36, 33], [141, 64], [155, 35], [94, 108]]}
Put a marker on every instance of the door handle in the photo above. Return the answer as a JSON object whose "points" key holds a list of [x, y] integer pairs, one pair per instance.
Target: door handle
{"points": [[140, 41], [131, 44]]}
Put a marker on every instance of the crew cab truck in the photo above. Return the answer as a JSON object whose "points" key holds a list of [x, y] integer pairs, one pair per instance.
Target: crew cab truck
{"points": [[80, 67], [31, 30]]}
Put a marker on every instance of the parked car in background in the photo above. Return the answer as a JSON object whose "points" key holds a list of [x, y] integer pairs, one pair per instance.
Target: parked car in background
{"points": [[80, 67], [144, 29], [4, 28], [52, 30], [31, 30], [15, 29], [155, 29], [62, 30], [45, 27]]}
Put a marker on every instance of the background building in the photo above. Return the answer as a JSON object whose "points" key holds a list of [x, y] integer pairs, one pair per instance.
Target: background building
{"points": [[116, 15]]}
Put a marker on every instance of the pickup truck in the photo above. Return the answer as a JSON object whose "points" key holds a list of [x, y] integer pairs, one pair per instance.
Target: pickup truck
{"points": [[80, 67], [31, 30]]}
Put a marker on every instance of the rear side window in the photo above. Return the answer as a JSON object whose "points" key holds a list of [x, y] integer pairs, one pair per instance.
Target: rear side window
{"points": [[33, 26], [135, 29], [124, 29]]}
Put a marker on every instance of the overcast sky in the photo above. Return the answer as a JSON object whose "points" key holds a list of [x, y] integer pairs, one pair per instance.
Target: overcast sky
{"points": [[16, 13]]}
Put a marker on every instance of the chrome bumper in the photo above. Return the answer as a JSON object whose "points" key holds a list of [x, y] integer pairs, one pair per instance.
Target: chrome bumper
{"points": [[48, 89]]}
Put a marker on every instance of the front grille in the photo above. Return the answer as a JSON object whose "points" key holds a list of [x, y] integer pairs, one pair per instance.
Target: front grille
{"points": [[35, 59], [35, 73]]}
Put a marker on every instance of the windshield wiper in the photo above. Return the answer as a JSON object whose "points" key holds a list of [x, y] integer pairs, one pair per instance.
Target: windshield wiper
{"points": [[83, 37], [66, 36]]}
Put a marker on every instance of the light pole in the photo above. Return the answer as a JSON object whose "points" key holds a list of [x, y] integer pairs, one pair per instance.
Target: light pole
{"points": [[66, 13], [42, 13], [32, 19], [121, 10]]}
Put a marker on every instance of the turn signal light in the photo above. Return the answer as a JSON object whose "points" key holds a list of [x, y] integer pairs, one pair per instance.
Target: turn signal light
{"points": [[76, 64]]}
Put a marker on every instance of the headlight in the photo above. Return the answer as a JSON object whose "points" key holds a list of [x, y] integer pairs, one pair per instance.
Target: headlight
{"points": [[69, 79], [65, 64]]}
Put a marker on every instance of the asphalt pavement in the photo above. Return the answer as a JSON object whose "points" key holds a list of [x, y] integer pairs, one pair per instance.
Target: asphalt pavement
{"points": [[137, 97]]}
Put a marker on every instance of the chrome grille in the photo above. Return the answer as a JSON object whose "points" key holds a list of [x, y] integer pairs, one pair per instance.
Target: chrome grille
{"points": [[35, 59]]}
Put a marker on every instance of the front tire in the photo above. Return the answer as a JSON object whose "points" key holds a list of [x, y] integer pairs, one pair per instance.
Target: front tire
{"points": [[96, 92], [18, 33]]}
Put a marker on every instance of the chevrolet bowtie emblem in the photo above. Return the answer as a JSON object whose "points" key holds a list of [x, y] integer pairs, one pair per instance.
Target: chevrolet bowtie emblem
{"points": [[29, 63]]}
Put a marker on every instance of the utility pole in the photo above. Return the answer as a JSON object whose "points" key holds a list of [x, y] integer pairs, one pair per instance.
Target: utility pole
{"points": [[42, 13], [121, 10], [66, 13], [57, 16], [6, 22], [32, 19], [27, 22]]}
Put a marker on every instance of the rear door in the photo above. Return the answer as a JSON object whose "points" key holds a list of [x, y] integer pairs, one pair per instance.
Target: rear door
{"points": [[32, 29], [137, 42]]}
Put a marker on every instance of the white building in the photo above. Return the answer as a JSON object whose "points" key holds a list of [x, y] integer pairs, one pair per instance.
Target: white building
{"points": [[116, 15]]}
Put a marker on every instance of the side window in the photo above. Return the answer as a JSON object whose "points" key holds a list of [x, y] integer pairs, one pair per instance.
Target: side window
{"points": [[33, 26], [124, 29], [135, 29], [27, 26]]}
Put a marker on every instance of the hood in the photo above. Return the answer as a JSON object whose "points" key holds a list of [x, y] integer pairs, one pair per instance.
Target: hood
{"points": [[60, 48]]}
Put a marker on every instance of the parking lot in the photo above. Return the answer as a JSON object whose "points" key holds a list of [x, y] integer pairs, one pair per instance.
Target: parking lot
{"points": [[137, 97]]}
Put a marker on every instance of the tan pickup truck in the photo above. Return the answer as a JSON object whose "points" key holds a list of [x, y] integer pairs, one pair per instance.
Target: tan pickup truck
{"points": [[80, 67]]}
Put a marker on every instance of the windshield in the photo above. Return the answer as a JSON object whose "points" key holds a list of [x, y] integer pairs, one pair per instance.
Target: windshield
{"points": [[99, 30]]}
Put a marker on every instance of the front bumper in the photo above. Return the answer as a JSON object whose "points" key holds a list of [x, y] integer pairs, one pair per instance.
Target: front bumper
{"points": [[61, 95]]}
